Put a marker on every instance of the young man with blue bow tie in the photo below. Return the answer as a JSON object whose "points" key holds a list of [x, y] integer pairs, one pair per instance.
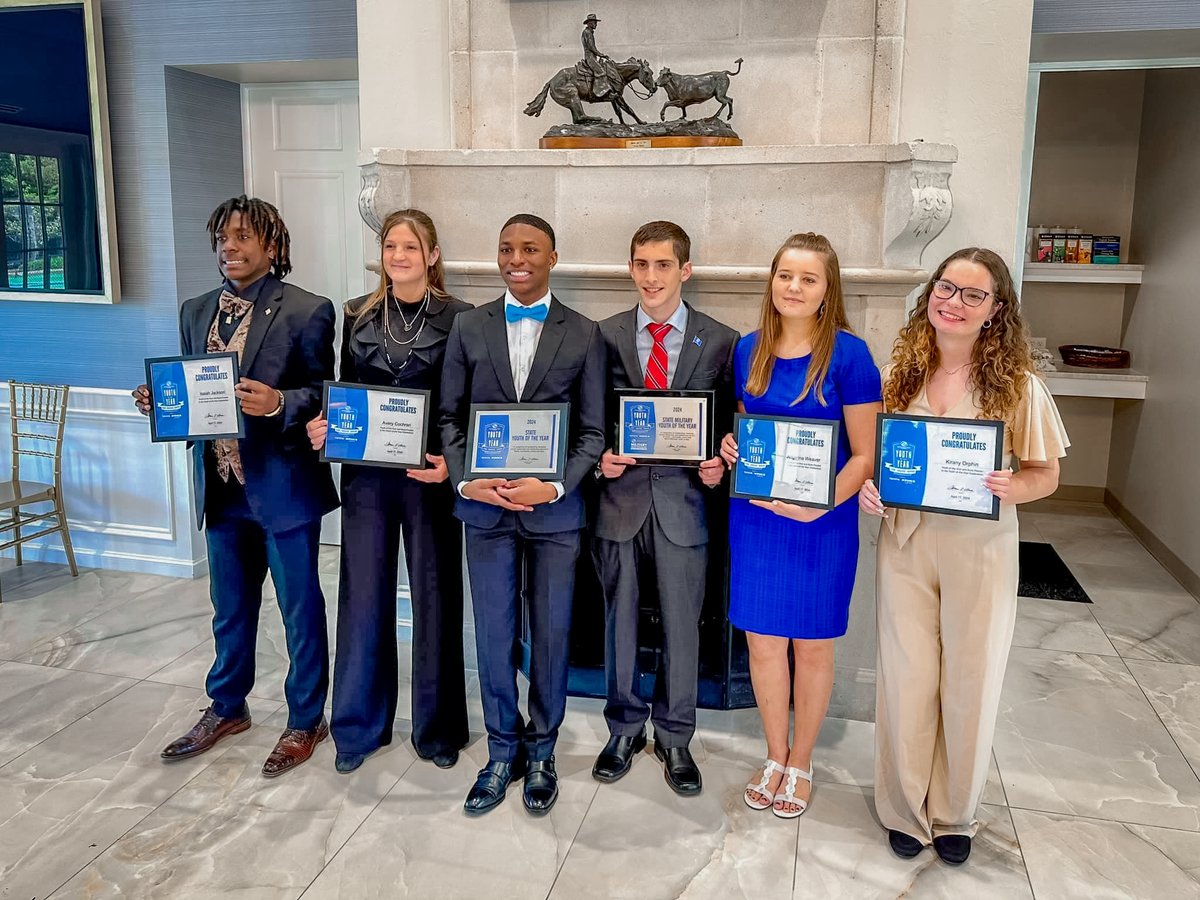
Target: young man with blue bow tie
{"points": [[525, 347]]}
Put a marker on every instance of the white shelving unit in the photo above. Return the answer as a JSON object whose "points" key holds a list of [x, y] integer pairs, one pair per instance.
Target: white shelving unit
{"points": [[1073, 381], [1112, 384], [1068, 273]]}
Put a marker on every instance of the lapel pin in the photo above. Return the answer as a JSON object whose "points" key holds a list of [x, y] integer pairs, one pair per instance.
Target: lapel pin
{"points": [[268, 310], [696, 340]]}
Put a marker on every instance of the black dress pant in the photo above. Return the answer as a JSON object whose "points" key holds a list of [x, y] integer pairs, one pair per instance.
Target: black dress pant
{"points": [[378, 506], [679, 573]]}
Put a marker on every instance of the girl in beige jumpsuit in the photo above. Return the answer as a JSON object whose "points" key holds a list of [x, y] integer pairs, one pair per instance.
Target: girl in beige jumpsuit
{"points": [[946, 585]]}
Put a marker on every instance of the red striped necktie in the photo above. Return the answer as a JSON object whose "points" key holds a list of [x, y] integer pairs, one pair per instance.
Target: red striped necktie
{"points": [[656, 368]]}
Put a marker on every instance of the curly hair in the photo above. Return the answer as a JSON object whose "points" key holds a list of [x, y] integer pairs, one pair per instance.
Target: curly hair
{"points": [[264, 220], [421, 225], [831, 319], [1000, 358]]}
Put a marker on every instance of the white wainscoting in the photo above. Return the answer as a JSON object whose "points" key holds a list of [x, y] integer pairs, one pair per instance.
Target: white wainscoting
{"points": [[129, 501]]}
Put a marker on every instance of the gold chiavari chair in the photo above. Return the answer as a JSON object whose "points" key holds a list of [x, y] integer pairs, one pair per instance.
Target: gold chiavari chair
{"points": [[38, 413]]}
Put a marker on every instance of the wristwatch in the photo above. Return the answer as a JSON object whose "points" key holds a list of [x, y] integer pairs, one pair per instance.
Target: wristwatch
{"points": [[277, 410]]}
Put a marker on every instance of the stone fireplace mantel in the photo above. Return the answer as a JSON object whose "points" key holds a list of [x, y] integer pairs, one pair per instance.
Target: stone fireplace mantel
{"points": [[879, 204]]}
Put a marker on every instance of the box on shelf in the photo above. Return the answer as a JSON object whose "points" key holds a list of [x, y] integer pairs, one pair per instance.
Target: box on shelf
{"points": [[1106, 249], [1084, 257], [1045, 248], [1060, 247]]}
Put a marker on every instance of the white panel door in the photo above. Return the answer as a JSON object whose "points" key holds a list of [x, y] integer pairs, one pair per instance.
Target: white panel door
{"points": [[301, 153]]}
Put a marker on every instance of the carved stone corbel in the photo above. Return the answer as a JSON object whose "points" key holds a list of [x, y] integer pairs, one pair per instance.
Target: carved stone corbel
{"points": [[919, 205]]}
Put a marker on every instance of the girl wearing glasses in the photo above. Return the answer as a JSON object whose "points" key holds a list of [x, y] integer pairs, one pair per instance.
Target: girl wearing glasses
{"points": [[946, 585]]}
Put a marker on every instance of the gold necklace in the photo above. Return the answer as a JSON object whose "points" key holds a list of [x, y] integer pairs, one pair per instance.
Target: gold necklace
{"points": [[953, 372]]}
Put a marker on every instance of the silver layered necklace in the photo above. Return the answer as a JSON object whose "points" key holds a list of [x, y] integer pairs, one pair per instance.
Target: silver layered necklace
{"points": [[416, 322]]}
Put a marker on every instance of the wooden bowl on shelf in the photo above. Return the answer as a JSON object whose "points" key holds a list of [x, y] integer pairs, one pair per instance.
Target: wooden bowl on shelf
{"points": [[1091, 356]]}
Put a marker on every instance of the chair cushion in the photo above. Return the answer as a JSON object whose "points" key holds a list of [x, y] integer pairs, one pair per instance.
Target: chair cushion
{"points": [[31, 492]]}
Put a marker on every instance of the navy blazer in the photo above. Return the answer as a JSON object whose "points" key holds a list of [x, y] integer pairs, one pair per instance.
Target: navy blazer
{"points": [[567, 367], [289, 347]]}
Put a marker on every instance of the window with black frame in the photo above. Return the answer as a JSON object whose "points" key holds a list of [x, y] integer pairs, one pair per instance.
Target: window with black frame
{"points": [[31, 208]]}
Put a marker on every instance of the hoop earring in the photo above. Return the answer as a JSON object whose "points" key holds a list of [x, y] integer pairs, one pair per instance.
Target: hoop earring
{"points": [[987, 324]]}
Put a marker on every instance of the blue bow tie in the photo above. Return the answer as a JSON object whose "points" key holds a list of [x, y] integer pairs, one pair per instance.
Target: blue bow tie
{"points": [[515, 313]]}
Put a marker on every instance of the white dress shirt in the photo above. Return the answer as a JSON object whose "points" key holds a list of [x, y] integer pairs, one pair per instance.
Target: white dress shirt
{"points": [[523, 337]]}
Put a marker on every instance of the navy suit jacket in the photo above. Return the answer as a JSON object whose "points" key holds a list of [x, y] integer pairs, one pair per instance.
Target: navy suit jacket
{"points": [[289, 347], [567, 367]]}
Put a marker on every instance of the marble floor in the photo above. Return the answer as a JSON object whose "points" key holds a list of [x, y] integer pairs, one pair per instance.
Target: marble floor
{"points": [[1093, 790]]}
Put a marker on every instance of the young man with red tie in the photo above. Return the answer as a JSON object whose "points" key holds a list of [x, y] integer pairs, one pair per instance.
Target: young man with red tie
{"points": [[653, 518]]}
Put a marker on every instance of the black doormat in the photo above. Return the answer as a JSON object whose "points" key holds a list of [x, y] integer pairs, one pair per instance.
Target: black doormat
{"points": [[1045, 576]]}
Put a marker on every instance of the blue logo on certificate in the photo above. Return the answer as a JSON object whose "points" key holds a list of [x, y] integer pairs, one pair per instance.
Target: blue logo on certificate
{"points": [[639, 428], [349, 418], [345, 422], [756, 447], [170, 399], [492, 452], [903, 443]]}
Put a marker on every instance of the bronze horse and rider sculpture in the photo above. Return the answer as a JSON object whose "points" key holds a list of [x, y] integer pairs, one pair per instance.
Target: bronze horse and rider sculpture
{"points": [[597, 78], [571, 88]]}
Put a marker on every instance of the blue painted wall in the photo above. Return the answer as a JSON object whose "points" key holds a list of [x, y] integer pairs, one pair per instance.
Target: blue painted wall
{"points": [[103, 346]]}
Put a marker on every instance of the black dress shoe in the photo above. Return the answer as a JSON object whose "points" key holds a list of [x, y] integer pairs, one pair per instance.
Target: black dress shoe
{"points": [[679, 768], [445, 759], [953, 848], [491, 783], [904, 845], [541, 786], [617, 756]]}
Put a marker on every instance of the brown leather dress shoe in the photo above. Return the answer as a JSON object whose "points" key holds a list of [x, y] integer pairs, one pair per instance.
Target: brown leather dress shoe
{"points": [[294, 746], [204, 735]]}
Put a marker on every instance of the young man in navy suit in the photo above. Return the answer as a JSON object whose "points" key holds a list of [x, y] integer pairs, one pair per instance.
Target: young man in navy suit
{"points": [[524, 347], [263, 495], [654, 519]]}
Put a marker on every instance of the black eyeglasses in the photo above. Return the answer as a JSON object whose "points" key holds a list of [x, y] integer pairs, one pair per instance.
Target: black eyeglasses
{"points": [[944, 290]]}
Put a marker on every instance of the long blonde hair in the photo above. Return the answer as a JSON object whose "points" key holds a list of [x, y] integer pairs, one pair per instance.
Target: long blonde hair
{"points": [[831, 318], [422, 226], [1000, 356]]}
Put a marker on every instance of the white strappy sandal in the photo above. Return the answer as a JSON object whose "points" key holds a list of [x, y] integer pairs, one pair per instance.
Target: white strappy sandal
{"points": [[788, 794], [770, 767]]}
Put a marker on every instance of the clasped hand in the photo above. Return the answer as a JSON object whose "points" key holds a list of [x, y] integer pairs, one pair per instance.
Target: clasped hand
{"points": [[518, 495]]}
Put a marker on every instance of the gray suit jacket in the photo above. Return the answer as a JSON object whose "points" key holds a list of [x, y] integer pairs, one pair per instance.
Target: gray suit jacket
{"points": [[675, 493]]}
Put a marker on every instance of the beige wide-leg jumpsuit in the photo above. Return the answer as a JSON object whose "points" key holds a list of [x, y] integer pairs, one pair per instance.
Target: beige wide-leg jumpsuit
{"points": [[947, 602]]}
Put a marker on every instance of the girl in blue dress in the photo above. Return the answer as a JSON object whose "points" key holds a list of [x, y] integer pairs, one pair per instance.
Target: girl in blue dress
{"points": [[792, 566]]}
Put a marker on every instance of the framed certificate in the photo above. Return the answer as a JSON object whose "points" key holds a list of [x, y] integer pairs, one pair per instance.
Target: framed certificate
{"points": [[779, 458], [938, 465], [517, 440], [192, 399], [666, 428], [375, 426]]}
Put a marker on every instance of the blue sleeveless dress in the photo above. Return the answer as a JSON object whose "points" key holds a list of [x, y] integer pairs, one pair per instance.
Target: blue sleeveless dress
{"points": [[794, 579]]}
